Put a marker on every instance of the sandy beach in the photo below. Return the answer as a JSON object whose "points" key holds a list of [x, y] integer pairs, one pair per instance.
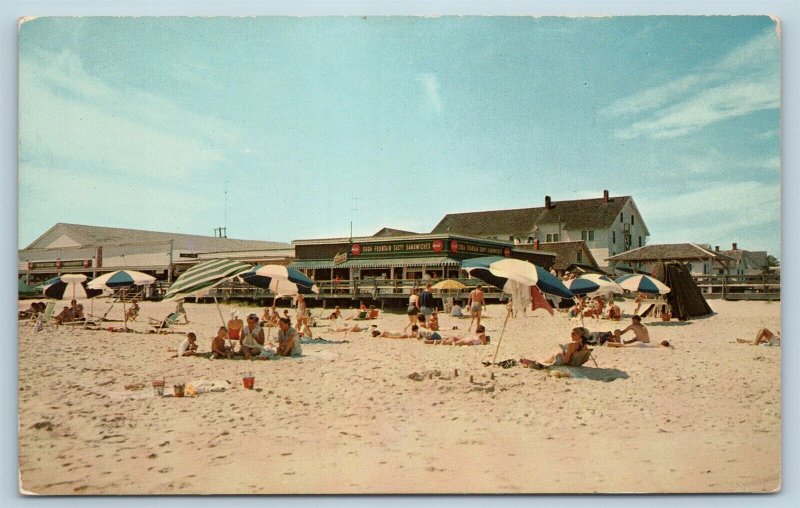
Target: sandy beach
{"points": [[348, 418]]}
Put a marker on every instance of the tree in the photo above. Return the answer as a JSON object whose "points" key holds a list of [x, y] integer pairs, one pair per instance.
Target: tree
{"points": [[770, 262]]}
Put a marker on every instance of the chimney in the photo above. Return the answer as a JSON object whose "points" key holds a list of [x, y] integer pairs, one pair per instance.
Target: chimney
{"points": [[605, 196], [536, 244], [547, 204], [734, 245], [716, 248]]}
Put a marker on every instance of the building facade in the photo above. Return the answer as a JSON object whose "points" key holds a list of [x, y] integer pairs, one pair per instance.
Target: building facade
{"points": [[94, 250], [608, 225]]}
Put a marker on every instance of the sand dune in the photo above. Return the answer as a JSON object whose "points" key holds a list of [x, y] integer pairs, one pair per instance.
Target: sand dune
{"points": [[347, 418]]}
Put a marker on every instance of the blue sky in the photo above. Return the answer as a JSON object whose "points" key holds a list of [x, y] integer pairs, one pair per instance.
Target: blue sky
{"points": [[310, 123]]}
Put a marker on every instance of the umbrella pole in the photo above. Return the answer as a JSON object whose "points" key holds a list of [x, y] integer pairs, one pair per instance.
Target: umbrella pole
{"points": [[497, 350], [274, 302], [220, 312], [124, 312]]}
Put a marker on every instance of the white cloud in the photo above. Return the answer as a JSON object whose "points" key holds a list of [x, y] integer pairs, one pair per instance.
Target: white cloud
{"points": [[72, 119], [744, 81], [431, 85]]}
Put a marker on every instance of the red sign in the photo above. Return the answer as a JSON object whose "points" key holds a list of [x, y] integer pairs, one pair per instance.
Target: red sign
{"points": [[507, 252], [30, 265], [453, 246], [87, 263], [355, 249], [438, 246], [58, 263]]}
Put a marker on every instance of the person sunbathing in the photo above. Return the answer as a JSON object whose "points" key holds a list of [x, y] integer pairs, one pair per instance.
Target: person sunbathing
{"points": [[639, 331], [218, 347], [479, 339], [336, 314], [662, 344], [764, 336], [398, 335], [564, 354], [65, 316], [577, 309], [189, 346], [433, 324], [354, 328]]}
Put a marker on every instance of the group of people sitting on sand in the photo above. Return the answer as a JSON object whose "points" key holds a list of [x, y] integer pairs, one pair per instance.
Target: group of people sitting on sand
{"points": [[595, 308], [247, 340], [363, 313], [70, 314], [32, 312]]}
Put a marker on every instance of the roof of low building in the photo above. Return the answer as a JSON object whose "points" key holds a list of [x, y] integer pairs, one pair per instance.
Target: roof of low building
{"points": [[83, 235], [757, 258], [567, 253], [670, 252], [394, 232], [576, 214]]}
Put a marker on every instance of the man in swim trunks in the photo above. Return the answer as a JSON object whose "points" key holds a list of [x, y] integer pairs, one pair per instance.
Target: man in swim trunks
{"points": [[639, 331], [475, 303]]}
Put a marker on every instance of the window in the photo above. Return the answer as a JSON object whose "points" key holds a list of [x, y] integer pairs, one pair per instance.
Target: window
{"points": [[549, 237], [640, 241], [555, 237], [587, 236], [633, 220], [614, 237], [530, 239], [620, 216], [580, 257]]}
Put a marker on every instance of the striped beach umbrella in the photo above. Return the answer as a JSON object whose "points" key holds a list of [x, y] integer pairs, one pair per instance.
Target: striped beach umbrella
{"points": [[642, 284], [24, 289], [515, 277], [200, 279], [70, 286], [121, 279], [504, 273], [281, 280], [581, 286]]}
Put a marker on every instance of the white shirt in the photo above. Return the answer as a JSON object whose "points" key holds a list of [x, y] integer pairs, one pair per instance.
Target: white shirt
{"points": [[183, 347]]}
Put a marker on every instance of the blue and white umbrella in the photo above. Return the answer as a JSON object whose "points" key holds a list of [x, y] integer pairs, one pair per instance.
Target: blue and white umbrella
{"points": [[642, 284], [581, 286], [70, 286], [121, 279], [504, 273], [281, 280]]}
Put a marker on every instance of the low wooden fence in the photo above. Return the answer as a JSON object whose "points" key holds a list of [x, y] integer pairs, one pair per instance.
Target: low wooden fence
{"points": [[740, 287]]}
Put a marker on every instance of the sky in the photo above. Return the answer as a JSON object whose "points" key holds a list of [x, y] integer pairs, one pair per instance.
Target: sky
{"points": [[291, 128]]}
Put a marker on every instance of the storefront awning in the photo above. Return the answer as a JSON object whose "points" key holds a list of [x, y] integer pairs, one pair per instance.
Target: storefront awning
{"points": [[400, 262], [300, 265]]}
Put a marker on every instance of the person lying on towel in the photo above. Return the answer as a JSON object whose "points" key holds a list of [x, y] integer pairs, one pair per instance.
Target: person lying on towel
{"points": [[564, 354]]}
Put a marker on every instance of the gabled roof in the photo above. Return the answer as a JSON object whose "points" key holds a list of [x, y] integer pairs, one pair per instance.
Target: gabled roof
{"points": [[753, 259], [574, 214], [99, 235], [394, 232], [670, 252], [567, 253]]}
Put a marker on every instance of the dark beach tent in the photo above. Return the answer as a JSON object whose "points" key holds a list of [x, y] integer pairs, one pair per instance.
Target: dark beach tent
{"points": [[685, 298]]}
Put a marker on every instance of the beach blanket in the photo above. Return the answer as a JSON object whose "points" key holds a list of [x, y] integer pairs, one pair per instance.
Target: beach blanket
{"points": [[594, 374], [320, 340]]}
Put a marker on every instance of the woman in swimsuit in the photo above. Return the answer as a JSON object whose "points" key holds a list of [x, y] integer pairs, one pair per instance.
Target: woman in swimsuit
{"points": [[235, 325], [413, 310]]}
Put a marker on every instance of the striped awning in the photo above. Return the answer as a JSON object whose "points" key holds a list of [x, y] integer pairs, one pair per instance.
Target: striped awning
{"points": [[199, 279], [303, 265], [387, 263]]}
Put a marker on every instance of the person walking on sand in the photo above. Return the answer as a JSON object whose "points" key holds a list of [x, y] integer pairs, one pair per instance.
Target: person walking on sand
{"points": [[180, 310], [426, 300], [639, 331], [475, 305], [413, 309]]}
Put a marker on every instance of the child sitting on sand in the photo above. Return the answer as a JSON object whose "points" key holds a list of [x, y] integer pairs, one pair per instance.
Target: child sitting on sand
{"points": [[218, 347], [189, 346], [638, 329], [614, 312]]}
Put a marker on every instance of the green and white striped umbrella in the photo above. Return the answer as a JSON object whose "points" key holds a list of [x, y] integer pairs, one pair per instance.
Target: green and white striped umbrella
{"points": [[201, 278]]}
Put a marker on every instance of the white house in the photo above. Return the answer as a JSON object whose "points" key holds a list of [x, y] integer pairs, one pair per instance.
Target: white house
{"points": [[609, 225]]}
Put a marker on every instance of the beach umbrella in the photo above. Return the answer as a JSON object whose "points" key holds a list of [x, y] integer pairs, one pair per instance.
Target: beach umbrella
{"points": [[281, 280], [200, 279], [70, 286], [514, 277], [448, 284], [121, 279], [581, 286], [607, 285], [24, 289], [642, 284]]}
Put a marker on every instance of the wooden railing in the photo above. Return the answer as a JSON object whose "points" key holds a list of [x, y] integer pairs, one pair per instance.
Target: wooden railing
{"points": [[740, 287]]}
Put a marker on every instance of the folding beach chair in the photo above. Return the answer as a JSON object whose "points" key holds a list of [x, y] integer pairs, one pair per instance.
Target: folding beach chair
{"points": [[46, 317], [164, 324]]}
